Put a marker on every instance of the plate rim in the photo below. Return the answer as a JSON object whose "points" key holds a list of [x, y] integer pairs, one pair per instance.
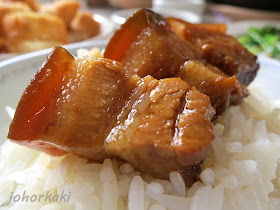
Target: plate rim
{"points": [[107, 25], [90, 44], [70, 47]]}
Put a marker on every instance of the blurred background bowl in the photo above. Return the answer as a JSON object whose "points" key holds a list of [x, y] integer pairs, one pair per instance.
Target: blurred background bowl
{"points": [[120, 16], [194, 6]]}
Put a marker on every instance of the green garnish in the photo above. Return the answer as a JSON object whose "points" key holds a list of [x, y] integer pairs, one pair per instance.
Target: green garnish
{"points": [[262, 40]]}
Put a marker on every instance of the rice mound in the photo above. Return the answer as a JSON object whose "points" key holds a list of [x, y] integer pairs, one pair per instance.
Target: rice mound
{"points": [[240, 172]]}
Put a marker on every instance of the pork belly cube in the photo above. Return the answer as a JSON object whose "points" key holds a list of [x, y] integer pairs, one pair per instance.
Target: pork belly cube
{"points": [[168, 128], [89, 107], [219, 49], [222, 89], [70, 105], [145, 45], [179, 26]]}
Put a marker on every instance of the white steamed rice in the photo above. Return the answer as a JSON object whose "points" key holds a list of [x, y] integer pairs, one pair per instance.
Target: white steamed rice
{"points": [[241, 172]]}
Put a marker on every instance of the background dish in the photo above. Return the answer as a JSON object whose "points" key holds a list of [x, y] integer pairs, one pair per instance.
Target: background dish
{"points": [[107, 28], [15, 74], [241, 27], [120, 16], [239, 13], [259, 37]]}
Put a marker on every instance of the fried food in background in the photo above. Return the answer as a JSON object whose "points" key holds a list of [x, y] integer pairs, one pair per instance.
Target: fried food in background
{"points": [[29, 31], [84, 26], [46, 26], [7, 7], [66, 10], [32, 4]]}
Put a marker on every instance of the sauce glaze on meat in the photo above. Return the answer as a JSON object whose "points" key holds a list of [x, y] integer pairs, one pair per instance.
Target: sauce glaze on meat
{"points": [[151, 100]]}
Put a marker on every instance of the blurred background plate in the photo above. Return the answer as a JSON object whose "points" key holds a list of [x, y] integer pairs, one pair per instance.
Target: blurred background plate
{"points": [[4, 56], [241, 27], [120, 16], [106, 25], [260, 37], [242, 13], [107, 28]]}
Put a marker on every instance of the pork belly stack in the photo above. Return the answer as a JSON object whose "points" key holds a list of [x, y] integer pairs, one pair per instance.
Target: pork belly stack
{"points": [[92, 109], [219, 49], [151, 100], [146, 45]]}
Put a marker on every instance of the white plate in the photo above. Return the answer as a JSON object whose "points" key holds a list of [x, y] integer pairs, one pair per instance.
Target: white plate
{"points": [[120, 16], [16, 73], [241, 27]]}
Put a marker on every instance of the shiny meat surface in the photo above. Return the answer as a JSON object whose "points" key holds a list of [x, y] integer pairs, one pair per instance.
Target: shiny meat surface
{"points": [[32, 118], [126, 105], [221, 89], [149, 53], [156, 50], [219, 49], [70, 104], [145, 45], [92, 109], [168, 128]]}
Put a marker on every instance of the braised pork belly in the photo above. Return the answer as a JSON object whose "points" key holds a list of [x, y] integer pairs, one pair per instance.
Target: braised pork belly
{"points": [[168, 128], [154, 49], [222, 89], [91, 108], [219, 49], [70, 102], [145, 45], [151, 101]]}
